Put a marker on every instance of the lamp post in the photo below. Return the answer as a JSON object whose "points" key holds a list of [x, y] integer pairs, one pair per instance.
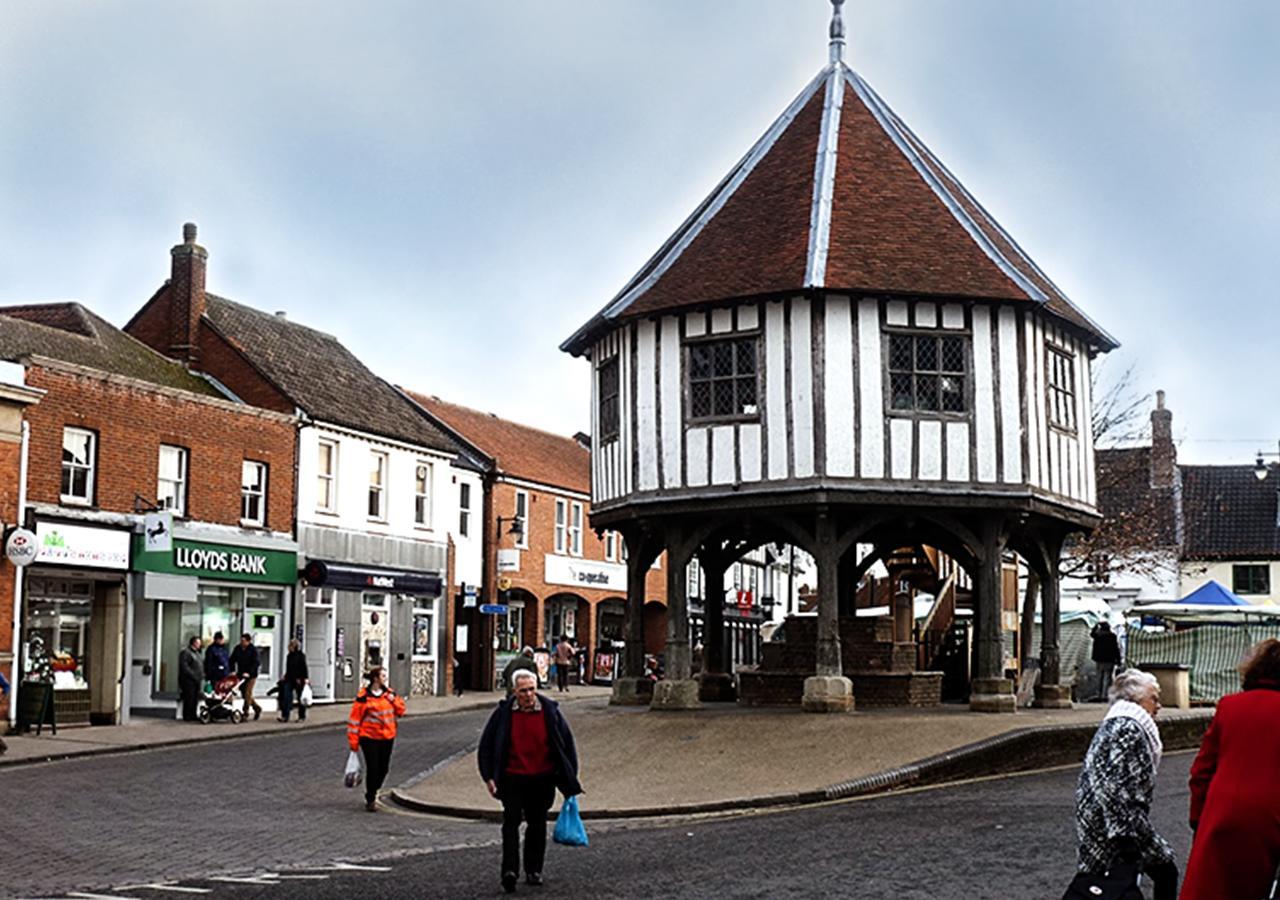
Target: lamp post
{"points": [[1261, 469], [517, 527]]}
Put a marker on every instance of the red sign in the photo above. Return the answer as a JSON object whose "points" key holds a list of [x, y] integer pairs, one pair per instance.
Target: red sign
{"points": [[744, 601]]}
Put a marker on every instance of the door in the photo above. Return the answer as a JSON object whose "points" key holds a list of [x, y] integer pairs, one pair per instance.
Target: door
{"points": [[317, 637]]}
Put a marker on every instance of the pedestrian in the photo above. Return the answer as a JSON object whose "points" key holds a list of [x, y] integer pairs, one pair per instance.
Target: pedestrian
{"points": [[244, 659], [566, 656], [371, 729], [526, 752], [1235, 788], [457, 677], [217, 664], [1106, 656], [1113, 798], [523, 661], [190, 677], [296, 677]]}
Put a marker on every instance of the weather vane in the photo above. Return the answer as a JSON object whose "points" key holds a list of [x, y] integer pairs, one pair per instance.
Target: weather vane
{"points": [[837, 32]]}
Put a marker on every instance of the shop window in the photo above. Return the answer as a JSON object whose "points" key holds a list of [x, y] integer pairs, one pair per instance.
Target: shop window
{"points": [[320, 596], [522, 516], [1061, 389], [327, 477], [722, 377], [1251, 579], [422, 494], [927, 373], [464, 510], [171, 489], [609, 405], [509, 629], [79, 456], [377, 485], [562, 525], [375, 600], [56, 647], [253, 493], [424, 634], [575, 529]]}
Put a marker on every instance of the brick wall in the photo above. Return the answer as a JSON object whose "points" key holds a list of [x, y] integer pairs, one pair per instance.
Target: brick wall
{"points": [[10, 454], [132, 420]]}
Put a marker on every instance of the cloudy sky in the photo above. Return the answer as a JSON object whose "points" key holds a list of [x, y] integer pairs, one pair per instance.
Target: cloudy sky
{"points": [[452, 188]]}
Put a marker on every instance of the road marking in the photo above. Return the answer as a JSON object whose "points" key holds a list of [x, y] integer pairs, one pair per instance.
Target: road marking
{"points": [[264, 878], [166, 886], [351, 867], [83, 896], [304, 877]]}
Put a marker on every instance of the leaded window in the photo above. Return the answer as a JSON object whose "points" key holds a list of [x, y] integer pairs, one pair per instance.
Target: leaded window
{"points": [[608, 375], [723, 379], [1061, 395], [928, 373]]}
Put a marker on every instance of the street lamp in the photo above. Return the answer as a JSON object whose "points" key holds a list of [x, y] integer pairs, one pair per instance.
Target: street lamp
{"points": [[1260, 468], [517, 527]]}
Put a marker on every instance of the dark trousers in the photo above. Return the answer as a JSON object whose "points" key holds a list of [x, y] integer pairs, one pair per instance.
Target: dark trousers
{"points": [[286, 701], [562, 676], [377, 760], [525, 798], [1164, 881], [190, 699], [1106, 672]]}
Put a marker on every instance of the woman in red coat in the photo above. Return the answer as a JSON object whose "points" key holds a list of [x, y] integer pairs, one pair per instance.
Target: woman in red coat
{"points": [[1235, 789]]}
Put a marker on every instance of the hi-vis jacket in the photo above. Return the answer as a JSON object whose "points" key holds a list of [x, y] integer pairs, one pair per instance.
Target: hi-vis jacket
{"points": [[374, 717]]}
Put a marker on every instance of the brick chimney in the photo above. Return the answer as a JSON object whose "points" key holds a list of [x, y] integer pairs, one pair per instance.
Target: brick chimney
{"points": [[1164, 456], [186, 297]]}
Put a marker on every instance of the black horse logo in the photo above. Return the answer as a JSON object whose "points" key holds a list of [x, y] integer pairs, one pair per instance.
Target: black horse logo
{"points": [[153, 533]]}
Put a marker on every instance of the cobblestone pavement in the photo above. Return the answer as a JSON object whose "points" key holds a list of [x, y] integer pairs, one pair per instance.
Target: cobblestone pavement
{"points": [[221, 807]]}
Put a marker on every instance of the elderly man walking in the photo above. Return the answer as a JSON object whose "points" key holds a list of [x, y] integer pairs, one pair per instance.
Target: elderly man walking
{"points": [[526, 753]]}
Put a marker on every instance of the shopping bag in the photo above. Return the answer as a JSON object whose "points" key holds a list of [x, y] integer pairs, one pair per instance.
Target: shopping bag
{"points": [[569, 827], [306, 696], [352, 775]]}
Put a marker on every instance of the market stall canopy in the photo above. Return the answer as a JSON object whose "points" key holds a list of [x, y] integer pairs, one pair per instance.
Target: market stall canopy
{"points": [[1210, 602], [1212, 594]]}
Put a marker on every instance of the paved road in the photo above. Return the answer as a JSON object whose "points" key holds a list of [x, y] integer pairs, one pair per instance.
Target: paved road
{"points": [[210, 809]]}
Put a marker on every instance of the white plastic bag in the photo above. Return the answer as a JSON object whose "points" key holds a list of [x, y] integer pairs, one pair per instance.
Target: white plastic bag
{"points": [[305, 697], [352, 776]]}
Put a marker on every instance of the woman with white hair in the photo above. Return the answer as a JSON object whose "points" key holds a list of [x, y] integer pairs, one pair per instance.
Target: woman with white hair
{"points": [[1113, 798]]}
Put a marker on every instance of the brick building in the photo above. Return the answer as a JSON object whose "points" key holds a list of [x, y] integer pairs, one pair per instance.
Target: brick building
{"points": [[121, 432], [541, 560]]}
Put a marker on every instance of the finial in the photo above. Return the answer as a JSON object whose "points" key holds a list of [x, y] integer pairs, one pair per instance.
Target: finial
{"points": [[837, 32]]}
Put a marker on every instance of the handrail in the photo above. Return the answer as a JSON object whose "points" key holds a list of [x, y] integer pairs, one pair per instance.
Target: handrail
{"points": [[946, 596]]}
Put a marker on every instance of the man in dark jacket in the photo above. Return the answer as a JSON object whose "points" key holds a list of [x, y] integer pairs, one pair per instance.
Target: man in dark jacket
{"points": [[190, 675], [526, 752], [245, 661], [217, 665], [1106, 654], [523, 661], [295, 679]]}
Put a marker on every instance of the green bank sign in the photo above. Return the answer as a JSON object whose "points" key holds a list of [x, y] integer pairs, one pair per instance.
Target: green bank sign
{"points": [[218, 561]]}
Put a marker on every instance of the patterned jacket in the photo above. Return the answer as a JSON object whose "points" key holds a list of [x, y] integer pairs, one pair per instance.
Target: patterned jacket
{"points": [[1113, 798]]}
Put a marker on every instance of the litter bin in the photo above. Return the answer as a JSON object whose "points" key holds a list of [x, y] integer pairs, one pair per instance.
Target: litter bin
{"points": [[1175, 683]]}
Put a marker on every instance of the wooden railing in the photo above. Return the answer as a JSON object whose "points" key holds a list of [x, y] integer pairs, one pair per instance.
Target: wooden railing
{"points": [[932, 630]]}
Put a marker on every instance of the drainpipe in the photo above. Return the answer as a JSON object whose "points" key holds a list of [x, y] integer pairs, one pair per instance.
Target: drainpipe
{"points": [[18, 578]]}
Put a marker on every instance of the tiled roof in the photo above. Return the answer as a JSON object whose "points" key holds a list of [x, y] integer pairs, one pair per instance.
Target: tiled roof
{"points": [[1126, 497], [839, 195], [518, 450], [320, 375], [70, 333], [1229, 513]]}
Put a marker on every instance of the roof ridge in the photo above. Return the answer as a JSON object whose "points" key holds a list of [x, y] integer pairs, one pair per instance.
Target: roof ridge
{"points": [[826, 160], [421, 397]]}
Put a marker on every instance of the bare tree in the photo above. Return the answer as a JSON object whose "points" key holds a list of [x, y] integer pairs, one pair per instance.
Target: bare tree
{"points": [[1119, 407]]}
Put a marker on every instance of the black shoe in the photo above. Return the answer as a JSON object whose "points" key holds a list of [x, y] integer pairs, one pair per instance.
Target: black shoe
{"points": [[257, 713], [371, 806], [533, 878], [509, 882], [282, 718]]}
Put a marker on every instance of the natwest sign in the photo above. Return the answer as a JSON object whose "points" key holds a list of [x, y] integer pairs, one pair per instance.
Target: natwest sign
{"points": [[585, 573]]}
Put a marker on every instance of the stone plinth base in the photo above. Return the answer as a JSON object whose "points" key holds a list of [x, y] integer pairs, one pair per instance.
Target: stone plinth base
{"points": [[888, 689], [681, 694], [1052, 696], [827, 694], [716, 687], [631, 692], [992, 695]]}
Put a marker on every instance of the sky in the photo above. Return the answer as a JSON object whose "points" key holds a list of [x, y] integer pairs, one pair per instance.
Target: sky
{"points": [[453, 188]]}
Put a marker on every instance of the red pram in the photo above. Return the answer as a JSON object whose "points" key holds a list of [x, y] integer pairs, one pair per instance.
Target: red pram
{"points": [[219, 700]]}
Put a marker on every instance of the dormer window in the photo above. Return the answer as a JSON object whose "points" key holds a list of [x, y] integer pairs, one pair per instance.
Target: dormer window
{"points": [[723, 379], [928, 373], [608, 388]]}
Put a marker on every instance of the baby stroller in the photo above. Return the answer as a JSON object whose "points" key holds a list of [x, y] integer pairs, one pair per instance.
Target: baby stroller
{"points": [[218, 701]]}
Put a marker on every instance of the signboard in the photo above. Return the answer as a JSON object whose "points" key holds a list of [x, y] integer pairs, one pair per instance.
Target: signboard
{"points": [[603, 673], [493, 609], [320, 573], [35, 706], [63, 544], [470, 594], [745, 601], [221, 561], [504, 583], [157, 532], [508, 560], [22, 547], [585, 573]]}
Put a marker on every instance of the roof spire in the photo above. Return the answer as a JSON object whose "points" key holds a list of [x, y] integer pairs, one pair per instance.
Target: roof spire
{"points": [[837, 32]]}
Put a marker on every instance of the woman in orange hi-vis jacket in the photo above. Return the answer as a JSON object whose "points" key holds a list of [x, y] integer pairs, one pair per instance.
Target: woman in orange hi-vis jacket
{"points": [[372, 729]]}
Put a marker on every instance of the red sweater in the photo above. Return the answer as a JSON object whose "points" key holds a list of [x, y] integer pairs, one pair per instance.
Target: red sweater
{"points": [[530, 750]]}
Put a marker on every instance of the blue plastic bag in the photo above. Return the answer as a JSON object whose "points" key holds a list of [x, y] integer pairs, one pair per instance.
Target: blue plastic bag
{"points": [[569, 827]]}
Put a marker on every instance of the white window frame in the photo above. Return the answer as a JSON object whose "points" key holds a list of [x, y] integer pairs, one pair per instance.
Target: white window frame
{"points": [[521, 514], [575, 529], [89, 468], [611, 546], [247, 492], [179, 484], [464, 509], [328, 478], [378, 464], [422, 494], [562, 525]]}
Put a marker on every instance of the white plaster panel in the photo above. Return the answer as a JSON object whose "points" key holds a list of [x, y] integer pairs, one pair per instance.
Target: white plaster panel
{"points": [[672, 399], [895, 313], [1035, 474], [930, 451], [1086, 429], [802, 387], [696, 456], [723, 458], [837, 392], [984, 407], [749, 452], [926, 314], [900, 448], [1010, 399], [647, 403], [870, 390], [952, 315], [721, 321], [748, 317], [775, 346], [957, 451], [695, 324]]}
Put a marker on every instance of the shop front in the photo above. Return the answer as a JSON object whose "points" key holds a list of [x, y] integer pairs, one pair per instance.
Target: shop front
{"points": [[200, 587], [73, 620]]}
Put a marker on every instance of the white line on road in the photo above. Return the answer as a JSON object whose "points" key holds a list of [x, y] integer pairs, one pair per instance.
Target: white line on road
{"points": [[83, 896], [303, 877], [166, 886], [264, 878], [351, 867]]}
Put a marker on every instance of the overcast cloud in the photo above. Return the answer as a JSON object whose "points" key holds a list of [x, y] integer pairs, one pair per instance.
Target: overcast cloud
{"points": [[452, 188]]}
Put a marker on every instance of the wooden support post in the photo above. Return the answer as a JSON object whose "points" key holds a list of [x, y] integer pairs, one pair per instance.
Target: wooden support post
{"points": [[1051, 693], [715, 682], [989, 691], [630, 686], [828, 690], [677, 690]]}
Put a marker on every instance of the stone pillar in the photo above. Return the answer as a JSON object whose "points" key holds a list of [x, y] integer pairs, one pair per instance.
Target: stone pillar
{"points": [[715, 683], [630, 687], [989, 691], [677, 690], [1050, 692], [828, 690], [904, 618]]}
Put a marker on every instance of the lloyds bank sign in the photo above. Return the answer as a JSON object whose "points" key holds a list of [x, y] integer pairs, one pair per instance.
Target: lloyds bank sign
{"points": [[218, 562]]}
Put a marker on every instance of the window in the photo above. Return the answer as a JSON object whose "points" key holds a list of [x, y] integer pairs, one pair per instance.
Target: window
{"points": [[1061, 388], [575, 529], [522, 516], [562, 525], [253, 492], [608, 388], [722, 379], [1251, 579], [464, 510], [327, 477], [927, 373], [79, 449], [422, 494], [377, 484], [171, 490], [611, 546]]}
